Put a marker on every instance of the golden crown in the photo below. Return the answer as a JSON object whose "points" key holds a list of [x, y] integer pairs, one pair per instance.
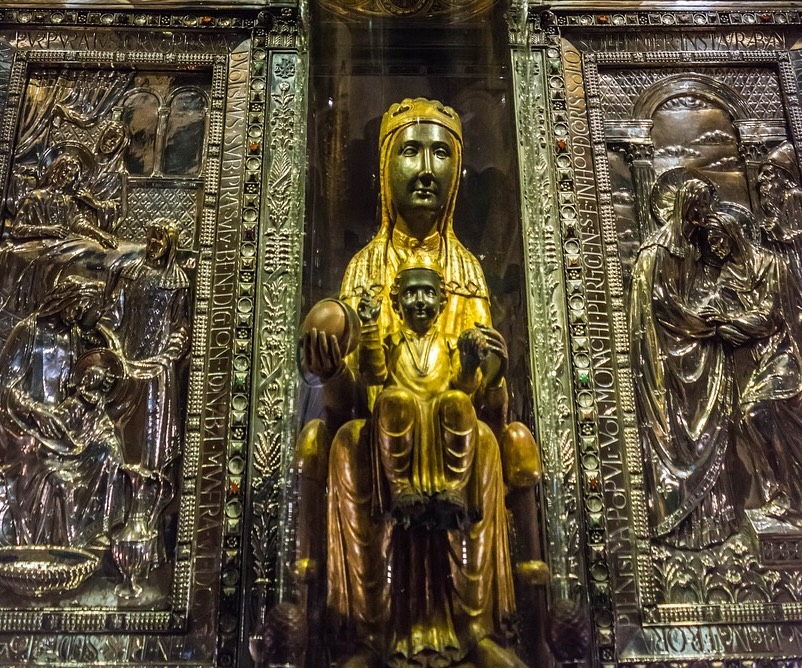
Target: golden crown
{"points": [[419, 110], [420, 261]]}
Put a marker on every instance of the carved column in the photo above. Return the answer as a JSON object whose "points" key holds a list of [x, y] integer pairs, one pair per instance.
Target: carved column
{"points": [[273, 213], [633, 138]]}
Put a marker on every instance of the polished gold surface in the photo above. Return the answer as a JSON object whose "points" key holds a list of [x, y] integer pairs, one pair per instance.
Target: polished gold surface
{"points": [[148, 407], [425, 425], [418, 565], [334, 321], [534, 572], [428, 232]]}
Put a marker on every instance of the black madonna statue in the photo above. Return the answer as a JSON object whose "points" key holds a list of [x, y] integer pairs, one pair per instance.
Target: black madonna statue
{"points": [[404, 573]]}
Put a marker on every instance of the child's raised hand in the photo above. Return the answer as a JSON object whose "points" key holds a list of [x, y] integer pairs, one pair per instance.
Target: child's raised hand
{"points": [[368, 309], [471, 345]]}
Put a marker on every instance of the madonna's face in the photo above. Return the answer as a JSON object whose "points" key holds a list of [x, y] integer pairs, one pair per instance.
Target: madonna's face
{"points": [[421, 170]]}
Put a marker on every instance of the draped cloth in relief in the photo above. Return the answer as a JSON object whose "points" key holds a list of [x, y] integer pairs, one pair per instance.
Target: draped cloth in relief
{"points": [[683, 390], [757, 291]]}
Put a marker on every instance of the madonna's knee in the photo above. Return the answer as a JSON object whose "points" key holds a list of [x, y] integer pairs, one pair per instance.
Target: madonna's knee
{"points": [[349, 462], [312, 451], [520, 456]]}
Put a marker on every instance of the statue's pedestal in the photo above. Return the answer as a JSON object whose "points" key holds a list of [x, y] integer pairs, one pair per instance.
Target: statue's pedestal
{"points": [[778, 543]]}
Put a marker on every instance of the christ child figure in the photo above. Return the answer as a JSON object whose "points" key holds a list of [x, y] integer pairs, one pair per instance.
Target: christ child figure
{"points": [[425, 429]]}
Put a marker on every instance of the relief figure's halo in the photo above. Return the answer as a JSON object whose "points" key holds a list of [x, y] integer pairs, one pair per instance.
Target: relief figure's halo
{"points": [[664, 191]]}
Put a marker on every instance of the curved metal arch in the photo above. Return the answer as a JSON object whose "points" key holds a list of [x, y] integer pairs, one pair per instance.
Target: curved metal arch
{"points": [[697, 85], [133, 91], [187, 89]]}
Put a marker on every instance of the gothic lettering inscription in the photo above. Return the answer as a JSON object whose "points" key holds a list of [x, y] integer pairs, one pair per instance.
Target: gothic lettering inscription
{"points": [[704, 40]]}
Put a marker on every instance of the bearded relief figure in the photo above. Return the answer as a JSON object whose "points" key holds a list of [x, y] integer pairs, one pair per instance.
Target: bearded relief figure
{"points": [[781, 204], [59, 208], [150, 314], [414, 565]]}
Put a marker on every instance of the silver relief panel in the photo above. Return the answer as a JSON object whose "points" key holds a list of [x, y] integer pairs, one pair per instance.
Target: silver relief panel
{"points": [[682, 148], [125, 158], [96, 331]]}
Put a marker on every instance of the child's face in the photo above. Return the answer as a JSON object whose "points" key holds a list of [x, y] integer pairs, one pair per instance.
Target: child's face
{"points": [[419, 298]]}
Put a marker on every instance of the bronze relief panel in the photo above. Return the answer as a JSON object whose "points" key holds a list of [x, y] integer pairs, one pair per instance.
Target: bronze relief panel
{"points": [[690, 233], [122, 237], [95, 399]]}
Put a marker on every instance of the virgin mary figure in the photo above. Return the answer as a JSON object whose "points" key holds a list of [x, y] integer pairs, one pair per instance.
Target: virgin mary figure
{"points": [[379, 608], [683, 380]]}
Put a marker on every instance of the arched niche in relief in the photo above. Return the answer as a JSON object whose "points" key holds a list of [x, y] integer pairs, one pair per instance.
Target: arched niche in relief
{"points": [[186, 127], [688, 120], [141, 116], [694, 126]]}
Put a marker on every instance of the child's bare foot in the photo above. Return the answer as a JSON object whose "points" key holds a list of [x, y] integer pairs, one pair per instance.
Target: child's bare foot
{"points": [[408, 505], [451, 509]]}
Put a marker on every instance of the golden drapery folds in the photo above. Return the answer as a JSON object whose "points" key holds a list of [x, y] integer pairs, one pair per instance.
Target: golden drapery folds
{"points": [[374, 267], [416, 593]]}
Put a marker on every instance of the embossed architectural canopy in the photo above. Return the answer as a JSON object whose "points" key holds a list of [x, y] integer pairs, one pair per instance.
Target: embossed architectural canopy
{"points": [[453, 9]]}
